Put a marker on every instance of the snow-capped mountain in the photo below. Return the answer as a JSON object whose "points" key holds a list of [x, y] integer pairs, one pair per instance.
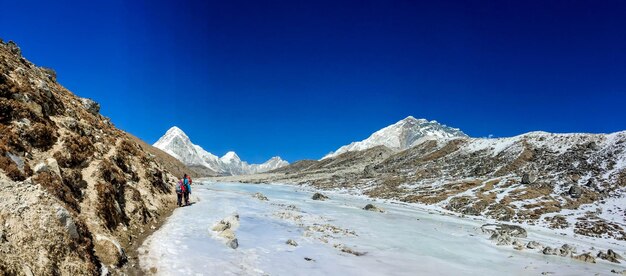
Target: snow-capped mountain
{"points": [[176, 143], [402, 135]]}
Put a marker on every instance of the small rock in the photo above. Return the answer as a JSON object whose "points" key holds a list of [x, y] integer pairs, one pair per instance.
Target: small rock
{"points": [[534, 245], [260, 196], [518, 245], [585, 257], [568, 248], [575, 191], [373, 208], [65, 219], [50, 165], [308, 259], [511, 230], [318, 196], [617, 272], [610, 256], [234, 243], [549, 251], [291, 242], [27, 271]]}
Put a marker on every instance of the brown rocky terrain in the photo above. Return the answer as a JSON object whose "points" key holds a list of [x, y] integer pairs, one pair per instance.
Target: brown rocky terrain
{"points": [[76, 194], [560, 181]]}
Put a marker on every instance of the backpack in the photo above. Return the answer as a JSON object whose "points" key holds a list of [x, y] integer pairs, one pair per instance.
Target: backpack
{"points": [[180, 188]]}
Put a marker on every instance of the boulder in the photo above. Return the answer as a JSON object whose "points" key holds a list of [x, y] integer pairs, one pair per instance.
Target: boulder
{"points": [[501, 238], [585, 257], [260, 196], [234, 243], [534, 245], [92, 106], [50, 165], [518, 245], [550, 251], [511, 230], [373, 208], [225, 228], [575, 191], [318, 196], [65, 219], [291, 242], [109, 251], [610, 256]]}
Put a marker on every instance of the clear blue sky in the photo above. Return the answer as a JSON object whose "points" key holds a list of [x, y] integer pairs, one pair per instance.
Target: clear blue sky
{"points": [[299, 79]]}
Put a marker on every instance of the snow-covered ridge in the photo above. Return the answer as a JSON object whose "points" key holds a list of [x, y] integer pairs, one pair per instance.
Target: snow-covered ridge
{"points": [[177, 144], [402, 135]]}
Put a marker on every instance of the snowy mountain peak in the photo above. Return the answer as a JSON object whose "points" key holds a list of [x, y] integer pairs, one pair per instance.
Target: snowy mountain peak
{"points": [[230, 157], [402, 135], [175, 131], [177, 144]]}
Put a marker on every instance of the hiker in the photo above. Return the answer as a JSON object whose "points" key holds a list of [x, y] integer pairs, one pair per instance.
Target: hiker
{"points": [[187, 190], [180, 189]]}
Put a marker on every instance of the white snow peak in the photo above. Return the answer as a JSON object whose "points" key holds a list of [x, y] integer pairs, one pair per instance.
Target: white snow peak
{"points": [[402, 135], [177, 144]]}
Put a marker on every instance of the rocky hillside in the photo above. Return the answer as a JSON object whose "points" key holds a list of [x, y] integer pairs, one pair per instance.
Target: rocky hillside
{"points": [[76, 193], [571, 182]]}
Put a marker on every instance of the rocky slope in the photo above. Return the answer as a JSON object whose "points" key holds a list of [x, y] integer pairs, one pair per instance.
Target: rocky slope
{"points": [[575, 183], [176, 143], [76, 193]]}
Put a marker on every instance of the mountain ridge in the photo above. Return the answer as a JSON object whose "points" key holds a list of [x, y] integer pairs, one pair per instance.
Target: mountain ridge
{"points": [[401, 135], [176, 143]]}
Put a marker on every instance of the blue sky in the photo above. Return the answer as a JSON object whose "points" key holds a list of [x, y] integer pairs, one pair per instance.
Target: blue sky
{"points": [[299, 79]]}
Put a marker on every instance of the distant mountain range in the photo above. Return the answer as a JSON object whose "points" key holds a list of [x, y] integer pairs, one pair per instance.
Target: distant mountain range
{"points": [[176, 143]]}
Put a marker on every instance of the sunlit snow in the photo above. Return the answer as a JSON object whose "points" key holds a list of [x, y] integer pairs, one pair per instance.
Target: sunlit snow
{"points": [[401, 241]]}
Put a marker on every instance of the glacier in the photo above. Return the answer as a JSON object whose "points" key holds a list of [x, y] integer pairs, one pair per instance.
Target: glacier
{"points": [[405, 240]]}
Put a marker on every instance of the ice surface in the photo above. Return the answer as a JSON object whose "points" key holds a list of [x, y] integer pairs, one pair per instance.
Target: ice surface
{"points": [[401, 241]]}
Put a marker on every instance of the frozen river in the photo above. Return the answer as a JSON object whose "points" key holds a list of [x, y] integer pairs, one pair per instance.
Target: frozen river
{"points": [[401, 241]]}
